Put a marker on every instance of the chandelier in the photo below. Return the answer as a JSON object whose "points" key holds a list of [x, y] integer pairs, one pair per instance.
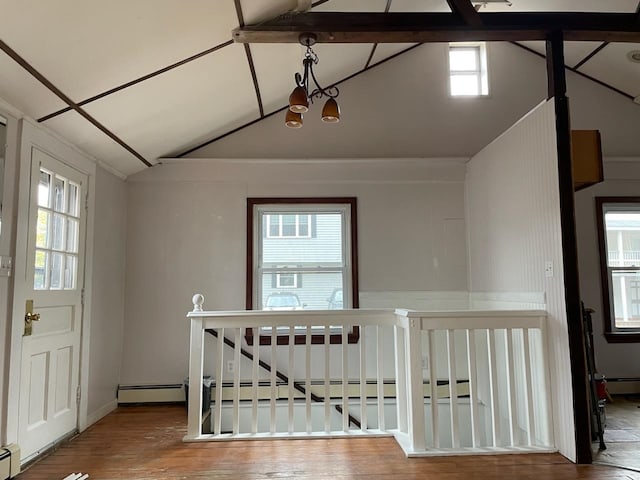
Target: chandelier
{"points": [[302, 95]]}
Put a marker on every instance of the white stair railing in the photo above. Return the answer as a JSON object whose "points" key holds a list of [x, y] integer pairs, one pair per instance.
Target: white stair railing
{"points": [[441, 382]]}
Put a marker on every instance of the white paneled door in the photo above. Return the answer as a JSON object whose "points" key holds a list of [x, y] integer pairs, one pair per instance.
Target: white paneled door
{"points": [[52, 299]]}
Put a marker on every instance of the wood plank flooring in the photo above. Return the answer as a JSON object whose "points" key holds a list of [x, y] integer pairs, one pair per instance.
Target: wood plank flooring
{"points": [[146, 443]]}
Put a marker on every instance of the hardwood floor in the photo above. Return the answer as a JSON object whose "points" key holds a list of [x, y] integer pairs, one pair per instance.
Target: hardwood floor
{"points": [[146, 443], [621, 433]]}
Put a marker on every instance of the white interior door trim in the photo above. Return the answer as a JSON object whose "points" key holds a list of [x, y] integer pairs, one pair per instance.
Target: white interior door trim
{"points": [[32, 135]]}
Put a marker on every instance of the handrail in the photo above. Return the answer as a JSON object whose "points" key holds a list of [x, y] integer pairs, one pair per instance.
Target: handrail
{"points": [[485, 370]]}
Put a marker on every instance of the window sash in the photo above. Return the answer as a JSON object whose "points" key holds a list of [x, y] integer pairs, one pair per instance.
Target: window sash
{"points": [[302, 226], [616, 256]]}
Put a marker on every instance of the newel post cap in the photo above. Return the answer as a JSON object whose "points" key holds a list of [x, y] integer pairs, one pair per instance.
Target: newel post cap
{"points": [[198, 301]]}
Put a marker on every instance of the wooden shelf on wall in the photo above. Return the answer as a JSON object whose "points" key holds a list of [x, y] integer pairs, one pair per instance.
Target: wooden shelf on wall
{"points": [[586, 157]]}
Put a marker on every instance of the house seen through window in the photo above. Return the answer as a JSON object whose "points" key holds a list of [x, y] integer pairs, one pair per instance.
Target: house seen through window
{"points": [[468, 70], [303, 254], [620, 261]]}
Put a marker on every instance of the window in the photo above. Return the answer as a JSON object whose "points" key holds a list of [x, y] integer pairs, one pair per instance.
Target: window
{"points": [[57, 233], [301, 254], [288, 225], [619, 239], [468, 70]]}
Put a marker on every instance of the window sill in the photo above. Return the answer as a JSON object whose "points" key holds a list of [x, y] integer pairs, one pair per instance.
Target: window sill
{"points": [[623, 337]]}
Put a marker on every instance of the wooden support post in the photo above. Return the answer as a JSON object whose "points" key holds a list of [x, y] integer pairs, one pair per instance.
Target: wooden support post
{"points": [[557, 89]]}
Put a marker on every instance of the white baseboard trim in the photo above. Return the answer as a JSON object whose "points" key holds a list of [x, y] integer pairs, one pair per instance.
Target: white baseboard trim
{"points": [[101, 412], [128, 394], [623, 386]]}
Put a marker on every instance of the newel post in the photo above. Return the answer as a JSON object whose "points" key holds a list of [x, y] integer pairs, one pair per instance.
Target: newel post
{"points": [[415, 390], [196, 367]]}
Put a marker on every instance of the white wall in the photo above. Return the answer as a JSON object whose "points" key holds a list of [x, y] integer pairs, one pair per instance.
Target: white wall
{"points": [[186, 233], [107, 306], [622, 178], [513, 220]]}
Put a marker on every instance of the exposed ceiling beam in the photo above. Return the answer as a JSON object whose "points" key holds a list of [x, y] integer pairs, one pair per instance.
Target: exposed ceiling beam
{"points": [[465, 10], [334, 27]]}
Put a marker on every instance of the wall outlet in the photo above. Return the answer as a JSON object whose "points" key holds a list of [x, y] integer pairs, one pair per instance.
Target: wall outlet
{"points": [[231, 366], [548, 268]]}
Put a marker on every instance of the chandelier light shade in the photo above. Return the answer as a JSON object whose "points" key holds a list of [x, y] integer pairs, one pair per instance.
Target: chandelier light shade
{"points": [[298, 102], [331, 111], [293, 119], [304, 93]]}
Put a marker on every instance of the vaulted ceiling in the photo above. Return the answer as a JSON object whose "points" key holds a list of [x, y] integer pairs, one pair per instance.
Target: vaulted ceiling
{"points": [[132, 81]]}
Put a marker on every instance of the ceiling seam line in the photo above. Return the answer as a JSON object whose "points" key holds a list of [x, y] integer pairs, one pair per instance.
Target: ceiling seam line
{"points": [[139, 80], [578, 72], [375, 45], [56, 91], [254, 76], [373, 51], [252, 67], [591, 55], [235, 130]]}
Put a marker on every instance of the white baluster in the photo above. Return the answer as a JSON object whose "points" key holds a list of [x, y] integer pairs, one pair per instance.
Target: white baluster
{"points": [[402, 388], [493, 387], [254, 383], [511, 395], [236, 381], [290, 369], [453, 389], [380, 378], [217, 413], [433, 384], [307, 382], [274, 362], [363, 381], [345, 379], [327, 379], [473, 387], [528, 391]]}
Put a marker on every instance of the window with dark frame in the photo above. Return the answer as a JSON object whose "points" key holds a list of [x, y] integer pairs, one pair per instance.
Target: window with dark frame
{"points": [[301, 254], [618, 223]]}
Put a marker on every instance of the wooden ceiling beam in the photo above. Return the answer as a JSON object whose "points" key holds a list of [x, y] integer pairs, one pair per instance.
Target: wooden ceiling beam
{"points": [[336, 27], [464, 9]]}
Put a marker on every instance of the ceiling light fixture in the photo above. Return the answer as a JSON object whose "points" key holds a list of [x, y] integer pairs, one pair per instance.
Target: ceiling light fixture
{"points": [[302, 95]]}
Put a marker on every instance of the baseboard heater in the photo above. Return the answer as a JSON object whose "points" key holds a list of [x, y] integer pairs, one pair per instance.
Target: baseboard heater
{"points": [[175, 393], [9, 461]]}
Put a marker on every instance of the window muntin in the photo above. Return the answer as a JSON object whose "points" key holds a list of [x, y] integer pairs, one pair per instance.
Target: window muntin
{"points": [[619, 237], [468, 70], [316, 265]]}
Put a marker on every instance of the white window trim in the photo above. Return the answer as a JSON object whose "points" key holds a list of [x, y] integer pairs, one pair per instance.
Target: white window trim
{"points": [[481, 73]]}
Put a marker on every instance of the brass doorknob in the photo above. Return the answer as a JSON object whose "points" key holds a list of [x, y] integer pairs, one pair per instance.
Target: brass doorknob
{"points": [[31, 317]]}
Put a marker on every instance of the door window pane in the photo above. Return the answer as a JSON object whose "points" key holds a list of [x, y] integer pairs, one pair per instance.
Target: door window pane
{"points": [[44, 199], [58, 195], [57, 270], [58, 232], [70, 272], [42, 229], [72, 236], [74, 203], [40, 276]]}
